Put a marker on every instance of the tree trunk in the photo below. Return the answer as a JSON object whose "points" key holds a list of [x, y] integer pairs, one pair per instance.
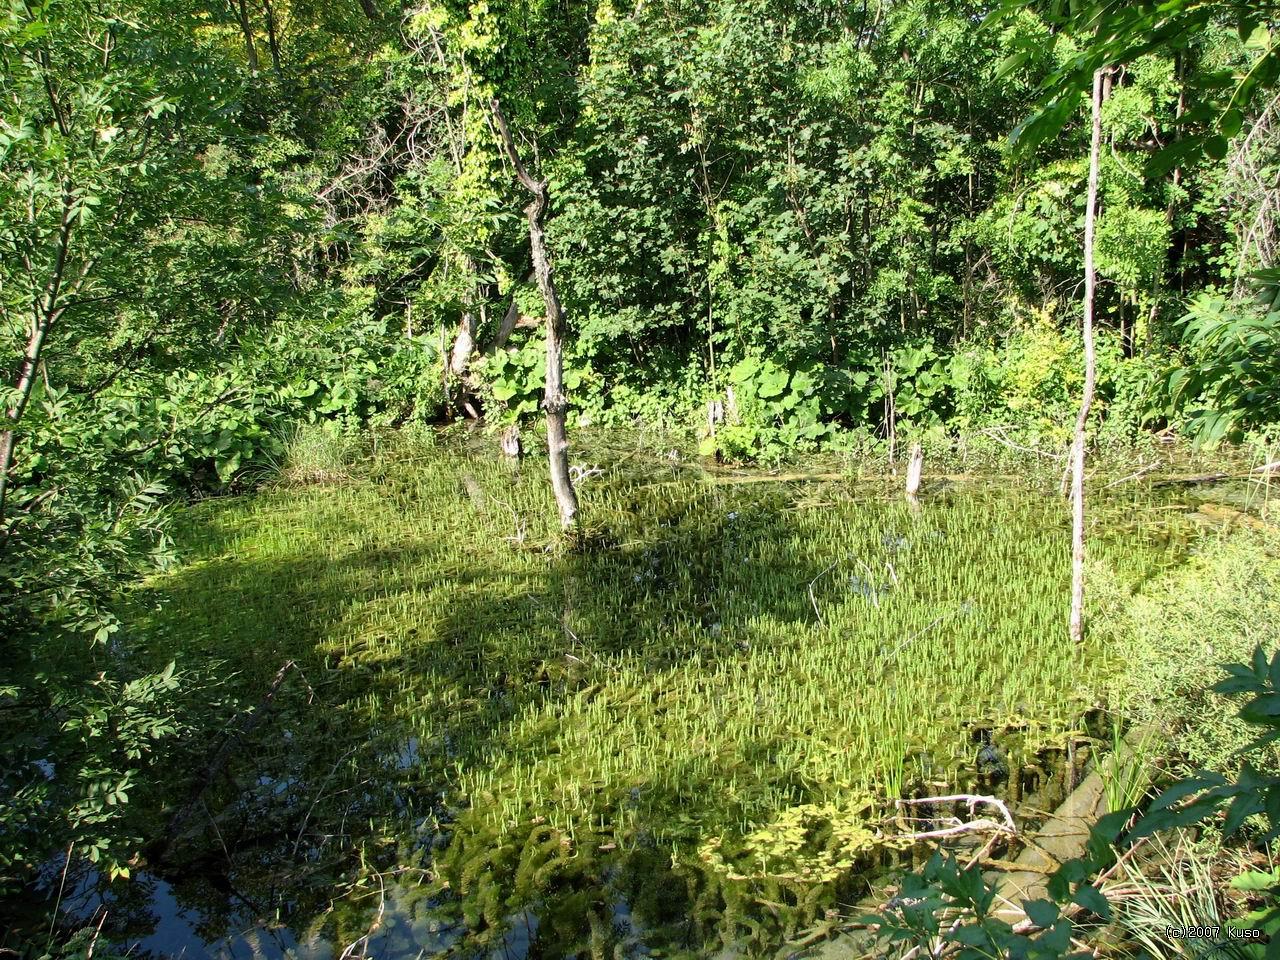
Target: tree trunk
{"points": [[246, 28], [915, 471], [554, 401], [370, 9], [26, 380], [463, 345], [47, 311], [1086, 401], [273, 41], [507, 326], [474, 319], [510, 320]]}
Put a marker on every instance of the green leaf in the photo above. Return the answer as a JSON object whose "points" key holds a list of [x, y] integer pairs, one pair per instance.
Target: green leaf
{"points": [[1260, 709], [1092, 900], [1043, 913], [1216, 147], [1255, 881], [772, 383], [1177, 153], [1230, 123]]}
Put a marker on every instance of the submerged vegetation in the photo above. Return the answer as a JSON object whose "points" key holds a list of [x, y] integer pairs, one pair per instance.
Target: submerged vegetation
{"points": [[700, 715]]}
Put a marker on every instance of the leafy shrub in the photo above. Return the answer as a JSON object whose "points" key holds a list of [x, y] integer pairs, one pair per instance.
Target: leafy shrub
{"points": [[84, 724], [1229, 375], [772, 409]]}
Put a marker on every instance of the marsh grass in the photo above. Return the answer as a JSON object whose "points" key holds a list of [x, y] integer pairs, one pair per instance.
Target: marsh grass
{"points": [[1126, 769], [312, 453], [709, 703], [1173, 884]]}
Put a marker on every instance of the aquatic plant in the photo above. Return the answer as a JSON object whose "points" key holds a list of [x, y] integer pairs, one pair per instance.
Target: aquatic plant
{"points": [[739, 675]]}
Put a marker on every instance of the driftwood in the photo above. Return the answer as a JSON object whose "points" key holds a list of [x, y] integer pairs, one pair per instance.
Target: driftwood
{"points": [[776, 478], [1136, 475], [1005, 825], [1218, 511], [1193, 479]]}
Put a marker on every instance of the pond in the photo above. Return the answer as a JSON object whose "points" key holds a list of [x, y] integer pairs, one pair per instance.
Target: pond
{"points": [[452, 736]]}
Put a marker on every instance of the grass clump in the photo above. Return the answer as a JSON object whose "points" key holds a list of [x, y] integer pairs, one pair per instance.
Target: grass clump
{"points": [[1173, 634], [314, 454]]}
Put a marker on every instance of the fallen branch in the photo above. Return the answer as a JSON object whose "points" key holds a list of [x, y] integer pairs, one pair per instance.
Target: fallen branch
{"points": [[1189, 481], [1224, 514], [1136, 475], [363, 942], [997, 434], [917, 635], [1008, 827]]}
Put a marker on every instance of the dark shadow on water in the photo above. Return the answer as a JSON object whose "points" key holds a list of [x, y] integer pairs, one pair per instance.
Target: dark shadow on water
{"points": [[354, 751]]}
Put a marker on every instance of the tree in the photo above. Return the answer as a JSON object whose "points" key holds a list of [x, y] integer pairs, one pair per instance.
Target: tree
{"points": [[1119, 31], [1090, 371], [88, 130], [554, 402]]}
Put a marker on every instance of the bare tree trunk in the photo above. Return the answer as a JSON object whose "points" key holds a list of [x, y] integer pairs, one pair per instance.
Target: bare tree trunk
{"points": [[915, 471], [1086, 401], [246, 28], [370, 9], [26, 380], [463, 345], [554, 399], [507, 326], [510, 320]]}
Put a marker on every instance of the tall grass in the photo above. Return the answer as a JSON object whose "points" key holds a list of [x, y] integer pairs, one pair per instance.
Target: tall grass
{"points": [[312, 453]]}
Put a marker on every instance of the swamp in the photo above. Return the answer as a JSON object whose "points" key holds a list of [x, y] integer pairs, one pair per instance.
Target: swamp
{"points": [[510, 480], [685, 734]]}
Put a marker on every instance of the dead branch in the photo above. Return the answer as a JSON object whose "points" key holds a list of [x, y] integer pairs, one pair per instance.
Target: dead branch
{"points": [[1138, 474], [1005, 826]]}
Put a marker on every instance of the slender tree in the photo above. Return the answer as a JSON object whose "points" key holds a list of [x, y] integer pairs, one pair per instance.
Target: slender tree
{"points": [[554, 401], [1090, 372], [246, 28]]}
